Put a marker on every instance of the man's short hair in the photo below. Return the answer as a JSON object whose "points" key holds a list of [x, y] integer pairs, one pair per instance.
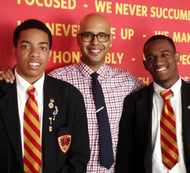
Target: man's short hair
{"points": [[159, 37], [31, 24]]}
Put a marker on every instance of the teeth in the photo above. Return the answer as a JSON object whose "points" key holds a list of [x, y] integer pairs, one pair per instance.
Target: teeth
{"points": [[95, 50], [160, 69], [34, 64]]}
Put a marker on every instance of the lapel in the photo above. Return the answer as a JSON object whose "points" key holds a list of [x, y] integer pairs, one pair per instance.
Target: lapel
{"points": [[47, 136], [50, 149], [186, 122], [144, 119], [9, 111]]}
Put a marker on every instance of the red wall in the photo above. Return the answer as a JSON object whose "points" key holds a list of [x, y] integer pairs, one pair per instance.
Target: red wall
{"points": [[132, 22]]}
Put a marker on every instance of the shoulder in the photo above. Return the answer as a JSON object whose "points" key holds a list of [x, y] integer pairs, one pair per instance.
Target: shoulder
{"points": [[60, 85], [1, 83], [4, 84], [125, 77], [185, 83], [125, 73], [7, 87], [64, 70], [115, 70], [143, 92], [185, 86]]}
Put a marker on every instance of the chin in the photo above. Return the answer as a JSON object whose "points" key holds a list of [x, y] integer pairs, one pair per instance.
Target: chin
{"points": [[161, 80]]}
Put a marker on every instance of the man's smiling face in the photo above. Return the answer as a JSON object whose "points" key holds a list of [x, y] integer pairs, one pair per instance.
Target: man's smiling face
{"points": [[161, 61], [94, 52]]}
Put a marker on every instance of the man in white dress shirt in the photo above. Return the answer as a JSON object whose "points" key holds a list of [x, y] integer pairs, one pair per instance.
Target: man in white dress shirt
{"points": [[139, 146], [58, 142]]}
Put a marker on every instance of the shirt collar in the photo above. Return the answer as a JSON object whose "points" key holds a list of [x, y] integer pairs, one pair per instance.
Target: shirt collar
{"points": [[87, 71], [176, 88], [22, 84]]}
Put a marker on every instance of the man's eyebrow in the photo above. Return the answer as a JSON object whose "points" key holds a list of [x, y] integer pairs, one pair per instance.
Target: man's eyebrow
{"points": [[43, 42], [150, 54], [24, 41], [164, 51], [87, 32]]}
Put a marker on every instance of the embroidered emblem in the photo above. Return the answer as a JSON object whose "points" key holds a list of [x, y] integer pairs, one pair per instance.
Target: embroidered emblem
{"points": [[64, 142]]}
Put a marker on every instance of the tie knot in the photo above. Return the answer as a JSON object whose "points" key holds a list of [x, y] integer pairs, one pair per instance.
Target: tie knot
{"points": [[166, 94], [30, 90], [94, 75]]}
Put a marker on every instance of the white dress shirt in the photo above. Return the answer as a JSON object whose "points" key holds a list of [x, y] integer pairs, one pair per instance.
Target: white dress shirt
{"points": [[22, 96], [157, 165]]}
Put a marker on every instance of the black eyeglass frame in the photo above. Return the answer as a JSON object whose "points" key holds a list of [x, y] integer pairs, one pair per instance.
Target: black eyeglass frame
{"points": [[93, 35]]}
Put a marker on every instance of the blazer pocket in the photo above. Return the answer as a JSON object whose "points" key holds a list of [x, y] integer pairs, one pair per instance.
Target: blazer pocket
{"points": [[64, 138]]}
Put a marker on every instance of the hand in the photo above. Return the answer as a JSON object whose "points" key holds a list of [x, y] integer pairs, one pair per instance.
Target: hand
{"points": [[7, 75]]}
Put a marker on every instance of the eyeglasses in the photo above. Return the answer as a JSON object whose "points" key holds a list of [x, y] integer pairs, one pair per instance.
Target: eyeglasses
{"points": [[88, 37]]}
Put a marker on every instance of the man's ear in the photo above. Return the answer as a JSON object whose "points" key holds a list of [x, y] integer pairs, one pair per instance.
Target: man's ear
{"points": [[14, 51], [144, 62], [78, 39], [50, 53], [111, 40], [177, 57]]}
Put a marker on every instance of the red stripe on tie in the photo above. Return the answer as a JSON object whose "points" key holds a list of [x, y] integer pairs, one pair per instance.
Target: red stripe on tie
{"points": [[30, 166], [32, 144], [168, 120], [32, 140], [170, 145], [32, 111], [173, 160], [167, 130]]}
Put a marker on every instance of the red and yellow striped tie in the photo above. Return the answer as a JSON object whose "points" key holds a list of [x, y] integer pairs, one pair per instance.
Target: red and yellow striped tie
{"points": [[32, 141], [170, 155]]}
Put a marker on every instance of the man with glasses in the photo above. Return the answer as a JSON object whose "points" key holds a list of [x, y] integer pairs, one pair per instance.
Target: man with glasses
{"points": [[88, 37], [95, 40]]}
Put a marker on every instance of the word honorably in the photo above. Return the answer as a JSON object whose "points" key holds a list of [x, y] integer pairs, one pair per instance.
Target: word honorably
{"points": [[74, 57]]}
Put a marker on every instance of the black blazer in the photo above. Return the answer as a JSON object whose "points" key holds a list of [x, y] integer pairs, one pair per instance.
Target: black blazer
{"points": [[71, 119], [134, 153]]}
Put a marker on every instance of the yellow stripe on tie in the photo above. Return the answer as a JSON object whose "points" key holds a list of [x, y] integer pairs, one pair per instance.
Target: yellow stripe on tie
{"points": [[32, 141], [169, 148]]}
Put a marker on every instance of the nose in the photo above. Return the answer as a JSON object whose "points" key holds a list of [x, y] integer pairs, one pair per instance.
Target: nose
{"points": [[158, 60], [95, 40], [34, 52]]}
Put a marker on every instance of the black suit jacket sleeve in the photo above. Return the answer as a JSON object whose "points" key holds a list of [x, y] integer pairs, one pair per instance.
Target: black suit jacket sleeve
{"points": [[125, 157], [134, 145]]}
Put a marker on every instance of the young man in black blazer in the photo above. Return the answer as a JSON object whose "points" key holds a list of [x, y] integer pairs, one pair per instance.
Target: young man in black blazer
{"points": [[139, 146], [63, 122]]}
